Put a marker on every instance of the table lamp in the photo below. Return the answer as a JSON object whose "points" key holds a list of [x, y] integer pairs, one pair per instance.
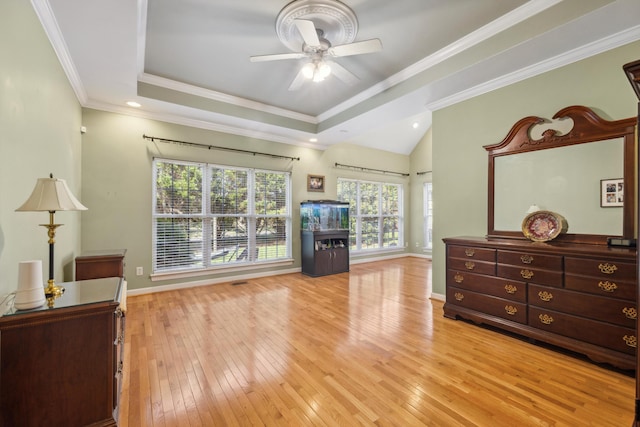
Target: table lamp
{"points": [[51, 194]]}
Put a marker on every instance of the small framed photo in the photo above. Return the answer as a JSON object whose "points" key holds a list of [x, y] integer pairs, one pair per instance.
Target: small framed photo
{"points": [[611, 192], [315, 183]]}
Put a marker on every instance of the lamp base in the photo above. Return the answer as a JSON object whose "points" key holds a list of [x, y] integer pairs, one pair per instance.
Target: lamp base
{"points": [[52, 290]]}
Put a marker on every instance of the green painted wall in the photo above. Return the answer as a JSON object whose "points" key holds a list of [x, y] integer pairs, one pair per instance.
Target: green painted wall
{"points": [[460, 131], [116, 183], [39, 134]]}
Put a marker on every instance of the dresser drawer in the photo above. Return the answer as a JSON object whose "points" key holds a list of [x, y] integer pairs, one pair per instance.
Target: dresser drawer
{"points": [[531, 275], [479, 254], [546, 262], [601, 268], [470, 265], [491, 305], [601, 286], [605, 309], [505, 288], [599, 333]]}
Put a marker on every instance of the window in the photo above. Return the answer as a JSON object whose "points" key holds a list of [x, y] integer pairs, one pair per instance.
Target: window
{"points": [[213, 216], [428, 216], [375, 214]]}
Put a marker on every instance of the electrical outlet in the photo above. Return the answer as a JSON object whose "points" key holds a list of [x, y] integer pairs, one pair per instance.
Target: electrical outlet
{"points": [[139, 271], [417, 244]]}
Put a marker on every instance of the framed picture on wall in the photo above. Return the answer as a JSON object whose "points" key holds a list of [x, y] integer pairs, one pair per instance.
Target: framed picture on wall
{"points": [[315, 183], [611, 192]]}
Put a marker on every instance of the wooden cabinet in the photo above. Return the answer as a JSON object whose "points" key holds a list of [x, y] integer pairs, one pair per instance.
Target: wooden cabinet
{"points": [[325, 252], [61, 365], [576, 296], [324, 237], [98, 264]]}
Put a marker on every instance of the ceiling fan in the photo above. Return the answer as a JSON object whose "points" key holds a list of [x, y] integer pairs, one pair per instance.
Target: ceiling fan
{"points": [[316, 48]]}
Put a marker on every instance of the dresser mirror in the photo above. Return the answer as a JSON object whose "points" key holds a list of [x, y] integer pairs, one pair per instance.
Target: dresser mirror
{"points": [[561, 171]]}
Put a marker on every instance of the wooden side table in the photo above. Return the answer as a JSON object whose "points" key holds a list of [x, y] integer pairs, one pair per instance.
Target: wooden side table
{"points": [[61, 365]]}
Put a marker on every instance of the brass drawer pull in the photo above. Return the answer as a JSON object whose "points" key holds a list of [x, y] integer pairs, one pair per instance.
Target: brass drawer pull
{"points": [[526, 274], [470, 265], [545, 296], [511, 310], [511, 289], [630, 313], [607, 268], [546, 319], [607, 286], [526, 259], [458, 296], [458, 278], [469, 252], [630, 340]]}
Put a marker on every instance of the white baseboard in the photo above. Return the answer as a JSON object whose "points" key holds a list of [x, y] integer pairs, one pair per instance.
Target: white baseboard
{"points": [[438, 297], [205, 282], [235, 278]]}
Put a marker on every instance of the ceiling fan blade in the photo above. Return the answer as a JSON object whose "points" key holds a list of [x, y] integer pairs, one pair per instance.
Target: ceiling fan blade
{"points": [[277, 57], [357, 48], [297, 82], [343, 74], [308, 32]]}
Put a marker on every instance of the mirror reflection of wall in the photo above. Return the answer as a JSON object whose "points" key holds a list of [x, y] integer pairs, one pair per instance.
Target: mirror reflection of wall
{"points": [[565, 180]]}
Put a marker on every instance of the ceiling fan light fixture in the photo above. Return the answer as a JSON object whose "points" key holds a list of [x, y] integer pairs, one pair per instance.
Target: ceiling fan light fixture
{"points": [[298, 23], [316, 71], [309, 70], [322, 71]]}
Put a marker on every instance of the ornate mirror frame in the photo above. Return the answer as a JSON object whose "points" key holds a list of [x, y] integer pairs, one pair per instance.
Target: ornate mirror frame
{"points": [[587, 127]]}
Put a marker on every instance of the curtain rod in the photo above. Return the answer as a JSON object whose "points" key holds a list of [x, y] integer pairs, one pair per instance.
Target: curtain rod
{"points": [[422, 173], [338, 165], [213, 147]]}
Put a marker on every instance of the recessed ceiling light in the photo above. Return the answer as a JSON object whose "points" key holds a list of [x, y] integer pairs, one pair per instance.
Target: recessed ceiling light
{"points": [[415, 125], [133, 104], [313, 139]]}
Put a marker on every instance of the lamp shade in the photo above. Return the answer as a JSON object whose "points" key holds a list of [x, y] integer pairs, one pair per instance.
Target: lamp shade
{"points": [[51, 194]]}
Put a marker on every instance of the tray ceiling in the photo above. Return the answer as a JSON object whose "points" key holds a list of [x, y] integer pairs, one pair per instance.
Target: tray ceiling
{"points": [[188, 61]]}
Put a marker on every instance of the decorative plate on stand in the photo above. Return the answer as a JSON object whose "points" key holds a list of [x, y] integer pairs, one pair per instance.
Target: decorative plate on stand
{"points": [[542, 226]]}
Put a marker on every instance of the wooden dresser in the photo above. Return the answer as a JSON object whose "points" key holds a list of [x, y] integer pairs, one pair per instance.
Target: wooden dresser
{"points": [[576, 296], [61, 366], [98, 264]]}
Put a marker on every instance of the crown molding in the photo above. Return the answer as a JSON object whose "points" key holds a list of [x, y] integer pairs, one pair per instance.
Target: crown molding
{"points": [[202, 124], [52, 30], [224, 98], [620, 39]]}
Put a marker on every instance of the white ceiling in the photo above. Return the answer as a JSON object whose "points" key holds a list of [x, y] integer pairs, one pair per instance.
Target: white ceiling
{"points": [[187, 61]]}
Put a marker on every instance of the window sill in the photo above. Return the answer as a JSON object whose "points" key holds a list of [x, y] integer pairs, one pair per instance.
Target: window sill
{"points": [[170, 275]]}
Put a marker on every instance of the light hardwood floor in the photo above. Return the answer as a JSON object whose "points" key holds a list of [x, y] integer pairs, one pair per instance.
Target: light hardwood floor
{"points": [[361, 348]]}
